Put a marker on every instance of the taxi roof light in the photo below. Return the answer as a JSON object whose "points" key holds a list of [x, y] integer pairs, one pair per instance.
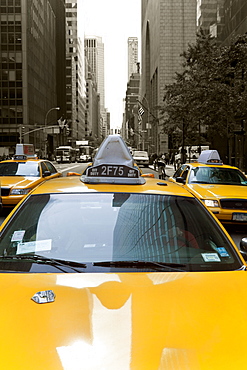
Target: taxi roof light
{"points": [[210, 157], [113, 164], [26, 150]]}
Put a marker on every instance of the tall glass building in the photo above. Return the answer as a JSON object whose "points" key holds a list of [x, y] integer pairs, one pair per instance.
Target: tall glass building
{"points": [[28, 71], [168, 26], [75, 76]]}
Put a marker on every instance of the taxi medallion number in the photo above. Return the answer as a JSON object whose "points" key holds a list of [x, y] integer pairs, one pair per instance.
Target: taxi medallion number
{"points": [[239, 217], [113, 171]]}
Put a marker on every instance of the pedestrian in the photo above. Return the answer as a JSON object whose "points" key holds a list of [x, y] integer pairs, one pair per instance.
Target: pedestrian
{"points": [[161, 167], [154, 160], [167, 158]]}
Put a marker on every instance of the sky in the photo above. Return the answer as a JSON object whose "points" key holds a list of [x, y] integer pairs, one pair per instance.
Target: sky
{"points": [[114, 21]]}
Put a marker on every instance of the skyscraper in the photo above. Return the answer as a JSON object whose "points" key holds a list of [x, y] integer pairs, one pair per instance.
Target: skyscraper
{"points": [[168, 27], [75, 77], [94, 50], [31, 43], [206, 13], [132, 55]]}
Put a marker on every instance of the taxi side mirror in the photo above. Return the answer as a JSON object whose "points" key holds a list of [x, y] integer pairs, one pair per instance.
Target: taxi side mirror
{"points": [[46, 173], [73, 174], [180, 180], [243, 248], [147, 175]]}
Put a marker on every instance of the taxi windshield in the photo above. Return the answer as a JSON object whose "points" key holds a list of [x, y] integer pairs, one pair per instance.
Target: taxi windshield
{"points": [[96, 227], [19, 169], [217, 175]]}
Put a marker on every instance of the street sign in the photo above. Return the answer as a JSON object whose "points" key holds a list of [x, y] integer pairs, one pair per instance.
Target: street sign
{"points": [[82, 142]]}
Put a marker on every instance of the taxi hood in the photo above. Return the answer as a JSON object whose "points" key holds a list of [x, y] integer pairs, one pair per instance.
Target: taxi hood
{"points": [[124, 321], [15, 181], [219, 191]]}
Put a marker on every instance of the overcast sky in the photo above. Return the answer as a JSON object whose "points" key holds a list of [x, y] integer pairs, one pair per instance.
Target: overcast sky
{"points": [[114, 21]]}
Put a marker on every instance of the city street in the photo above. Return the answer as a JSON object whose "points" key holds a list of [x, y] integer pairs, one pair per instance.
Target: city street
{"points": [[236, 232]]}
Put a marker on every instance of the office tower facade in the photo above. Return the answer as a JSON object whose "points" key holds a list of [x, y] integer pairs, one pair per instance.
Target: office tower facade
{"points": [[92, 113], [234, 20], [206, 13], [75, 77], [224, 19], [167, 28], [29, 46], [210, 16], [94, 51], [132, 55], [132, 129]]}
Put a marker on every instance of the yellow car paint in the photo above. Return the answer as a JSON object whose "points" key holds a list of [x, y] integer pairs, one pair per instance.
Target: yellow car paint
{"points": [[124, 321], [214, 191]]}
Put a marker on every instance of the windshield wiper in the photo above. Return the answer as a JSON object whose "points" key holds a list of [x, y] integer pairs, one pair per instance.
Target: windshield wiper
{"points": [[141, 264], [45, 260], [200, 182]]}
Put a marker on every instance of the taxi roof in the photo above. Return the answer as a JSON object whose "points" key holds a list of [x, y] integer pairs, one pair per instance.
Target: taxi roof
{"points": [[209, 157], [22, 158]]}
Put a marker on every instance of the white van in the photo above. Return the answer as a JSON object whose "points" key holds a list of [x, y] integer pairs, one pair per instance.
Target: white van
{"points": [[192, 153]]}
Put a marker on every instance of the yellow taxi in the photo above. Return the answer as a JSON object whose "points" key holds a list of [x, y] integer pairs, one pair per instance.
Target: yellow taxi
{"points": [[113, 270], [18, 176], [222, 188]]}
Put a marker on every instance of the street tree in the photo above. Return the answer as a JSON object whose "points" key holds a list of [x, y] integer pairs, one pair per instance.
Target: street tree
{"points": [[211, 90]]}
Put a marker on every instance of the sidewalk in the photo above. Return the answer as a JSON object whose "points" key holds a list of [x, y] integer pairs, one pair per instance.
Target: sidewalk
{"points": [[169, 169]]}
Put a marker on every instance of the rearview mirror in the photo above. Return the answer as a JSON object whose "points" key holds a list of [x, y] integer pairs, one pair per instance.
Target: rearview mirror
{"points": [[46, 173], [180, 180]]}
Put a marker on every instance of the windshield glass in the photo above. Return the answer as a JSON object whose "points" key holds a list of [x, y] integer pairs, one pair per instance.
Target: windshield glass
{"points": [[119, 227], [62, 152], [140, 154], [217, 175], [19, 169]]}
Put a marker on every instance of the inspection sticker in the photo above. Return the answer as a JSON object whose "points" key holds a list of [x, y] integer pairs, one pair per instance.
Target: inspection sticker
{"points": [[36, 246], [210, 257], [223, 252], [18, 235]]}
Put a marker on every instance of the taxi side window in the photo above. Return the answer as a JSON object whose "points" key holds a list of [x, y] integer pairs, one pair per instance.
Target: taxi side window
{"points": [[185, 173], [51, 168], [43, 167], [179, 171]]}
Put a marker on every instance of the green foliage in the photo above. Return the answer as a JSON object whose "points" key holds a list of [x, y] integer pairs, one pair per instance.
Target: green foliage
{"points": [[210, 92]]}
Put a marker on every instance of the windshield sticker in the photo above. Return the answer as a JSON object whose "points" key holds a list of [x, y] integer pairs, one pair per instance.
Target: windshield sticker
{"points": [[36, 246], [18, 236], [223, 252], [210, 257]]}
